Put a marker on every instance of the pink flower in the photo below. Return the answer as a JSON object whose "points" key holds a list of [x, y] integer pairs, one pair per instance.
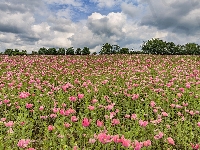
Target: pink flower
{"points": [[29, 105], [24, 95], [192, 112], [179, 95], [50, 127], [115, 121], [75, 147], [80, 96], [195, 146], [135, 96], [72, 98], [6, 101], [103, 138], [3, 119], [158, 136], [53, 115], [94, 101], [187, 85], [85, 122], [134, 116], [137, 145], [147, 143], [9, 124], [152, 104], [62, 112], [91, 107], [143, 123], [92, 141], [109, 107], [31, 148], [170, 141], [74, 118], [126, 142], [41, 108], [127, 116], [55, 110], [198, 124], [66, 86], [185, 104], [116, 139], [99, 123], [23, 143], [67, 125], [164, 114]]}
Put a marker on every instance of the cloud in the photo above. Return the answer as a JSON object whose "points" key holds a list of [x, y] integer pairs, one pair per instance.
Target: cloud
{"points": [[79, 23], [130, 9], [110, 25], [177, 16]]}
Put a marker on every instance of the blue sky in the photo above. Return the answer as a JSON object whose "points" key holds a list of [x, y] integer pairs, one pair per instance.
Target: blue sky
{"points": [[78, 23]]}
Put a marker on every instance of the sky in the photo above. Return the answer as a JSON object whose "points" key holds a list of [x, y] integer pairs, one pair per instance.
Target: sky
{"points": [[32, 24]]}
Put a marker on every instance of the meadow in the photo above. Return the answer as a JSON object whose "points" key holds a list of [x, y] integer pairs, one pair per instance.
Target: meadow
{"points": [[112, 102]]}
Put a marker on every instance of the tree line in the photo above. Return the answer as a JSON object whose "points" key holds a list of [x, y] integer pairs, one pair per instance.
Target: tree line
{"points": [[157, 46], [153, 46]]}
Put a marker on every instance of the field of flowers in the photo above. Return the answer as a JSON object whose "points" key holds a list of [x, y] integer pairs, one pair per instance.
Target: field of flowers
{"points": [[111, 102]]}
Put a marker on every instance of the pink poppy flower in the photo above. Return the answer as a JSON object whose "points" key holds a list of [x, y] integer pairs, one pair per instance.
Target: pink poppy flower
{"points": [[170, 141], [9, 124], [99, 123], [85, 122], [23, 143], [51, 127]]}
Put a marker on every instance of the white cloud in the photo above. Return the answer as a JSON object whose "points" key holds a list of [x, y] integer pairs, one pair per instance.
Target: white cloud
{"points": [[130, 9], [34, 24]]}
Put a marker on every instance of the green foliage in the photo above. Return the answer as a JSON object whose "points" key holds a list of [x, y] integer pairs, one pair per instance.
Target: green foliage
{"points": [[15, 52], [42, 51], [106, 49], [115, 49], [124, 51], [61, 51], [34, 53], [192, 49], [154, 46], [160, 47], [78, 51], [8, 52], [85, 51], [51, 51], [70, 51]]}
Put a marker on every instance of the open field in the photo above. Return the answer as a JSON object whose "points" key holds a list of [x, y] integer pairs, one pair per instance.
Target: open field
{"points": [[100, 102]]}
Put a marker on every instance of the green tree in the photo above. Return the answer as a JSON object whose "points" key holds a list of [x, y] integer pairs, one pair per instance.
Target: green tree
{"points": [[124, 50], [42, 51], [191, 49], [70, 51], [61, 51], [24, 52], [106, 49], [34, 53], [52, 51], [115, 49], [78, 51], [16, 52], [154, 46], [8, 52], [85, 51]]}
